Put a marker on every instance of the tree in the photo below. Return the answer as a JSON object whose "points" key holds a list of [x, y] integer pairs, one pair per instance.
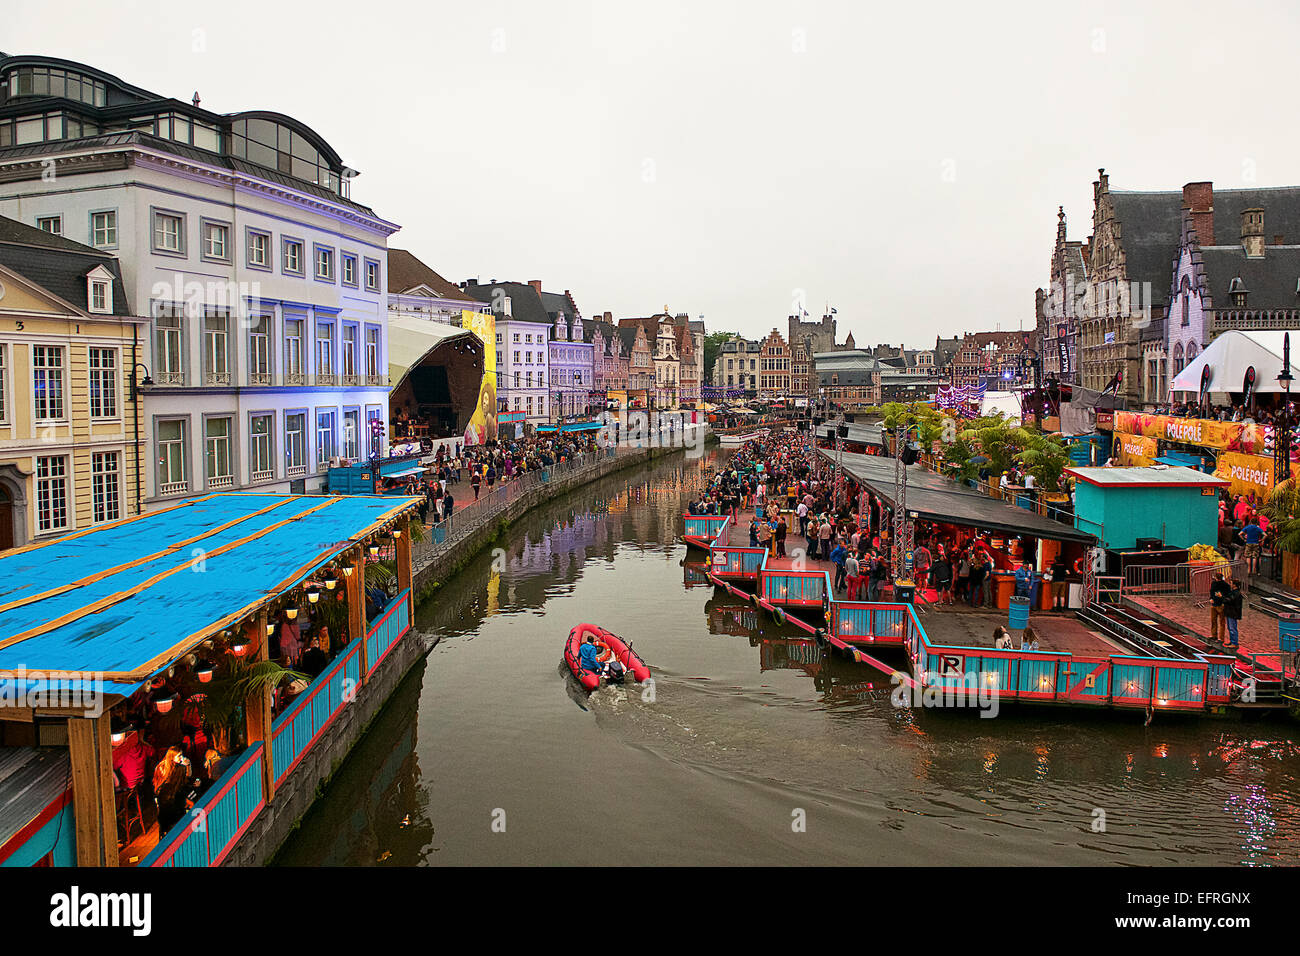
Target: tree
{"points": [[713, 343]]}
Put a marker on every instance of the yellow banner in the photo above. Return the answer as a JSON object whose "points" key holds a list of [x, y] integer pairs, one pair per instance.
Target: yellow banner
{"points": [[1137, 450], [483, 422], [1249, 474]]}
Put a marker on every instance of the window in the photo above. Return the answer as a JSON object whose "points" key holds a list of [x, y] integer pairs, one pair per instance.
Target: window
{"points": [[105, 492], [168, 233], [260, 462], [101, 296], [171, 457], [167, 344], [4, 408], [103, 229], [216, 345], [372, 353], [372, 275], [103, 383], [324, 263], [50, 224], [325, 352], [292, 257], [375, 429], [325, 449], [348, 355], [517, 379], [51, 493], [259, 350], [47, 381], [293, 368], [284, 149], [295, 443], [216, 241], [216, 452], [349, 269], [259, 250], [352, 434]]}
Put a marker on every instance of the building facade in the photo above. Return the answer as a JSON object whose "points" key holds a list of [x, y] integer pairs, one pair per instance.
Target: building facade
{"points": [[848, 377], [71, 451], [264, 281], [774, 364]]}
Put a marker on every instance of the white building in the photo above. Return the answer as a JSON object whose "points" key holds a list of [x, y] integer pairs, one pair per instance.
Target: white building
{"points": [[523, 354], [265, 282]]}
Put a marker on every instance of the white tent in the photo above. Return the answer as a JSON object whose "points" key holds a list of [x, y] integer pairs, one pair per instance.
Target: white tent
{"points": [[1008, 403], [1230, 355]]}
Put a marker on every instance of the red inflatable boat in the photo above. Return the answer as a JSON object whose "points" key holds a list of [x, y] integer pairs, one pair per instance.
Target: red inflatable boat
{"points": [[614, 650]]}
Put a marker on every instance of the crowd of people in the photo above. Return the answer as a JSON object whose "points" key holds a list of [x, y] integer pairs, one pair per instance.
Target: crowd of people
{"points": [[460, 475], [1225, 413]]}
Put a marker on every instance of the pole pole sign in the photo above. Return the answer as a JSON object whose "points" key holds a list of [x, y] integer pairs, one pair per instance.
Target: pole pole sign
{"points": [[1248, 385], [1206, 375]]}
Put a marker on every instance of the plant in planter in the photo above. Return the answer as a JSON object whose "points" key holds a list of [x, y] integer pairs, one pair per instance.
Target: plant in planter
{"points": [[235, 682], [1280, 509]]}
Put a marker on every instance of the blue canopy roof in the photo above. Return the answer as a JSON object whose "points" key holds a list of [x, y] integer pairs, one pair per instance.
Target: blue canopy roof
{"points": [[124, 600]]}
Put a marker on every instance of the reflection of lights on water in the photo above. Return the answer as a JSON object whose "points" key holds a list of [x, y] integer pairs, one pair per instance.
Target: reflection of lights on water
{"points": [[1253, 812], [990, 762], [1160, 750]]}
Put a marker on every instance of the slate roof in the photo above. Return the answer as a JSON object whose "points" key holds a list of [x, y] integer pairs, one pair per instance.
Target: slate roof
{"points": [[58, 265], [406, 272], [1150, 231], [1271, 281], [525, 304]]}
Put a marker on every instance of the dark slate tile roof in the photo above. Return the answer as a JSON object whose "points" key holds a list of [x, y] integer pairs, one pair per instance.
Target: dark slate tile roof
{"points": [[525, 303], [56, 264], [1150, 230], [1270, 281]]}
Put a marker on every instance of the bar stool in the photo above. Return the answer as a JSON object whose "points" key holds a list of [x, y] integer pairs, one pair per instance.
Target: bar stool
{"points": [[130, 811]]}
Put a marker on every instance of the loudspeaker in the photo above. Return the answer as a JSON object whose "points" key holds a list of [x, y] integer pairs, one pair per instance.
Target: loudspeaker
{"points": [[850, 418], [844, 431], [1149, 544], [911, 452], [830, 434]]}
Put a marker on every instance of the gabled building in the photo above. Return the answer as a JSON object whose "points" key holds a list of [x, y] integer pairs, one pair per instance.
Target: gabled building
{"points": [[1058, 307], [997, 360], [572, 355], [1238, 267], [72, 447], [523, 330], [774, 367], [848, 377]]}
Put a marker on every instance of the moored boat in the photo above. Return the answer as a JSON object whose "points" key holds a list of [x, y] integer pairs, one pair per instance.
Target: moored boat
{"points": [[616, 651]]}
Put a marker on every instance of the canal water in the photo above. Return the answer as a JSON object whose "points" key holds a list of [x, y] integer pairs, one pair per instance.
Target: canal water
{"points": [[755, 748]]}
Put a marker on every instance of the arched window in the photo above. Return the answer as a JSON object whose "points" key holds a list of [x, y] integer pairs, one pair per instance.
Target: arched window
{"points": [[1178, 358], [1191, 352], [1186, 291]]}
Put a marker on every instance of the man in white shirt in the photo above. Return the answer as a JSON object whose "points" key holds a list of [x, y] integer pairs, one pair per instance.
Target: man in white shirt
{"points": [[802, 512]]}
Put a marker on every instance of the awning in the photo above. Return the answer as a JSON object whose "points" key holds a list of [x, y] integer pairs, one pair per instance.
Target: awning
{"points": [[936, 498]]}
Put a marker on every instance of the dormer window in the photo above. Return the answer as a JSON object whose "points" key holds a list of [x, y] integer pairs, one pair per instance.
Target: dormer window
{"points": [[99, 291], [1237, 292]]}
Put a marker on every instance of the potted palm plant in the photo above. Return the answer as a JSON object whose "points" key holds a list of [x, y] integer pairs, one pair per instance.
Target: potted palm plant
{"points": [[236, 681]]}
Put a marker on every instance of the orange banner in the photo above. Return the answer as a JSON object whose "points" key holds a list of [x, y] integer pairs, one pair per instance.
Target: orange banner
{"points": [[1136, 450], [1224, 436]]}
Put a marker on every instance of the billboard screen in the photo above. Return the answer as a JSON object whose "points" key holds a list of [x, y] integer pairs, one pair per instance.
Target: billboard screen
{"points": [[483, 423]]}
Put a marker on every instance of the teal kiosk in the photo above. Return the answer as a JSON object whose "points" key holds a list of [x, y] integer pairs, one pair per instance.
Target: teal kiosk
{"points": [[1176, 505]]}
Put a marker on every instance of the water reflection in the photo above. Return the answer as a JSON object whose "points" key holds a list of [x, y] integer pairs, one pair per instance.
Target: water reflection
{"points": [[750, 719]]}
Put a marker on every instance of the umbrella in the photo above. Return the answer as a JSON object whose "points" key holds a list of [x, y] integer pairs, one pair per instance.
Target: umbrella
{"points": [[979, 460]]}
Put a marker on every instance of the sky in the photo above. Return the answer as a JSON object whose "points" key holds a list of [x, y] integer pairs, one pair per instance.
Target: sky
{"points": [[739, 161]]}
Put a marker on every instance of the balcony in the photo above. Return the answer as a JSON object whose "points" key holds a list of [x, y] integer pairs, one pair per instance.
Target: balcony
{"points": [[374, 380], [326, 378], [295, 471], [259, 378], [261, 476], [216, 378], [295, 378], [351, 379], [173, 488], [217, 482], [170, 378]]}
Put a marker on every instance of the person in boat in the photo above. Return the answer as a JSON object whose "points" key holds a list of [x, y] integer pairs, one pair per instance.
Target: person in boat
{"points": [[589, 655]]}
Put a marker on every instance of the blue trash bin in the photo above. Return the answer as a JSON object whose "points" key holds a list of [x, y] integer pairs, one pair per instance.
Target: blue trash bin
{"points": [[1288, 632], [1018, 613]]}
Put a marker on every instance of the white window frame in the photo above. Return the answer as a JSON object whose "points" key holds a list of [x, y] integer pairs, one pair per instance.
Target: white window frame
{"points": [[106, 486], [44, 222], [216, 348], [215, 236], [103, 366], [249, 236], [261, 447], [212, 448], [159, 217], [295, 442], [170, 452], [53, 494], [109, 228], [55, 390], [260, 370]]}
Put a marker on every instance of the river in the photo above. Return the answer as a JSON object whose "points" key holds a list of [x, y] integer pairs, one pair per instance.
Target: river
{"points": [[754, 748]]}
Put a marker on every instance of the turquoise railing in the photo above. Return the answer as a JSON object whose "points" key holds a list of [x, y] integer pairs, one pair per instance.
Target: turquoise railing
{"points": [[218, 820]]}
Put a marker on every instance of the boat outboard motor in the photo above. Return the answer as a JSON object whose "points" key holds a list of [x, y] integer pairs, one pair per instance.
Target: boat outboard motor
{"points": [[615, 673]]}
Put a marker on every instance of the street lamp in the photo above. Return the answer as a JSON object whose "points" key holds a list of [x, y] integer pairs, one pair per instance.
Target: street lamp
{"points": [[376, 444], [144, 382]]}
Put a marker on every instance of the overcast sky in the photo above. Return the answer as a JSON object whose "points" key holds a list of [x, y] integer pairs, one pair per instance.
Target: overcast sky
{"points": [[901, 161]]}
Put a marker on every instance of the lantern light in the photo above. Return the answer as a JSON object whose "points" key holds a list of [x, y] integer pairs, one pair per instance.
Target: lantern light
{"points": [[163, 700], [347, 570], [291, 612], [120, 728], [331, 580], [374, 548], [204, 672], [240, 644], [313, 593]]}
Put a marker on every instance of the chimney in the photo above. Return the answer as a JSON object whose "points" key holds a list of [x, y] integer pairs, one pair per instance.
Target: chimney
{"points": [[536, 284], [1252, 233], [1199, 200]]}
